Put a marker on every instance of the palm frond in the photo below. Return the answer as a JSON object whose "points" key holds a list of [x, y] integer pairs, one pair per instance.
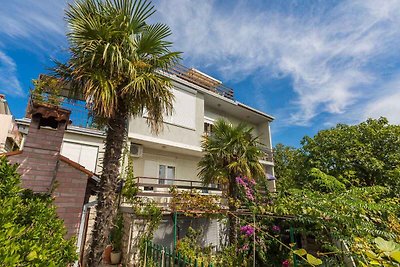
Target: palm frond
{"points": [[230, 151], [115, 57]]}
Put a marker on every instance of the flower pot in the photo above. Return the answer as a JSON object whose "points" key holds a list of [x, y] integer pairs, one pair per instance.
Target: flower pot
{"points": [[106, 254], [115, 257]]}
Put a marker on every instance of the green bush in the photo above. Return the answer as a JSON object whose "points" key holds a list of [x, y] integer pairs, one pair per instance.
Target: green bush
{"points": [[30, 232]]}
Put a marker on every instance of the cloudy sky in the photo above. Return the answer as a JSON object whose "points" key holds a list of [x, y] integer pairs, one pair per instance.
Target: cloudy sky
{"points": [[310, 64]]}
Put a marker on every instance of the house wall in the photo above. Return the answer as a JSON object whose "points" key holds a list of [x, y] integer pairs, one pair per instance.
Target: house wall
{"points": [[5, 122], [69, 196], [91, 158], [148, 164], [177, 133], [42, 171]]}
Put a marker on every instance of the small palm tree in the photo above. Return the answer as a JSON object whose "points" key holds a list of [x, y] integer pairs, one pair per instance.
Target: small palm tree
{"points": [[230, 151], [116, 61]]}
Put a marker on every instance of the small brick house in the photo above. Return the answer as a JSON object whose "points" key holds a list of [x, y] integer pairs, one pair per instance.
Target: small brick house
{"points": [[44, 170]]}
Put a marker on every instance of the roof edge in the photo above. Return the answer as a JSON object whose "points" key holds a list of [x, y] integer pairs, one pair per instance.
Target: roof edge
{"points": [[11, 153], [76, 166], [269, 117]]}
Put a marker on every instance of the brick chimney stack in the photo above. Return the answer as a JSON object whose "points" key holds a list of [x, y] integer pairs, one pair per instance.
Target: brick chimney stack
{"points": [[42, 146]]}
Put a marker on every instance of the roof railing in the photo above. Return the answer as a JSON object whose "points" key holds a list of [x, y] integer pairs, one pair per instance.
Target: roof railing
{"points": [[196, 77]]}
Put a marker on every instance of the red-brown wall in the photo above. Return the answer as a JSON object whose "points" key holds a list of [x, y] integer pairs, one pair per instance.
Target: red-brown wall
{"points": [[44, 170]]}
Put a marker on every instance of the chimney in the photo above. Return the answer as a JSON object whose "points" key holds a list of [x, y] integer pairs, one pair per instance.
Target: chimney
{"points": [[43, 144]]}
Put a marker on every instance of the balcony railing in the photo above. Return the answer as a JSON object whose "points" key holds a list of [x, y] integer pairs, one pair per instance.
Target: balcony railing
{"points": [[160, 189], [151, 186], [202, 80], [268, 153]]}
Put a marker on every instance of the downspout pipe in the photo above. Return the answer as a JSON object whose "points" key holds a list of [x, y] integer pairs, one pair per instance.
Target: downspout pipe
{"points": [[82, 227]]}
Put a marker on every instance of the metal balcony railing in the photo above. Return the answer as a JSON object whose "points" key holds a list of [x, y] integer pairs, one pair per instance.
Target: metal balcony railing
{"points": [[268, 153], [196, 77], [151, 186]]}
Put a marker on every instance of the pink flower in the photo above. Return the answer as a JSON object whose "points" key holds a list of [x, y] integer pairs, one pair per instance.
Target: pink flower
{"points": [[247, 230], [239, 180], [245, 247], [276, 228], [285, 263]]}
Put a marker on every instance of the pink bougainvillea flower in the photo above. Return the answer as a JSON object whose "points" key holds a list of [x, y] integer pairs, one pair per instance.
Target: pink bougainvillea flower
{"points": [[247, 230], [285, 263], [276, 228]]}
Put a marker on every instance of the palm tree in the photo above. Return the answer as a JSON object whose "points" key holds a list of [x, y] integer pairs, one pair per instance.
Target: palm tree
{"points": [[230, 151], [116, 63]]}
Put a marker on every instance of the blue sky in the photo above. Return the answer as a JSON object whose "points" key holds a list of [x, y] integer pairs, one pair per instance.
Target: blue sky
{"points": [[310, 64]]}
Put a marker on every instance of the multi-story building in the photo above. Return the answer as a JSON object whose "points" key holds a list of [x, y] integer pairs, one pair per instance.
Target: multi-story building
{"points": [[171, 157], [173, 154], [10, 138]]}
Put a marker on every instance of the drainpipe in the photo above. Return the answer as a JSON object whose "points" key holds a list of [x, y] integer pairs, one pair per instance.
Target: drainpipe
{"points": [[82, 228]]}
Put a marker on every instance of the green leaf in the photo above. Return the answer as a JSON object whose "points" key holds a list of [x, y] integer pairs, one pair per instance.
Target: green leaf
{"points": [[384, 245], [31, 256], [395, 255], [370, 254], [313, 260], [375, 262], [300, 252]]}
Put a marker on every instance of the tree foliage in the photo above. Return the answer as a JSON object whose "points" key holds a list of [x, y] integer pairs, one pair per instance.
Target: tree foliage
{"points": [[342, 184], [31, 234], [366, 154], [116, 56], [230, 152]]}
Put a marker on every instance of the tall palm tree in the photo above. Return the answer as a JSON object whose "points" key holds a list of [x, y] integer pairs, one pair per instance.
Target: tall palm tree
{"points": [[116, 61], [230, 151]]}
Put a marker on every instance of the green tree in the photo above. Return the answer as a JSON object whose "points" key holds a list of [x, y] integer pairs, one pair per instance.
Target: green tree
{"points": [[230, 151], [31, 234], [289, 167], [366, 154], [116, 63]]}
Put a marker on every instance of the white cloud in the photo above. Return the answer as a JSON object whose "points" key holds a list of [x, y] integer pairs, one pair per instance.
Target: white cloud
{"points": [[385, 101], [9, 83], [334, 54], [33, 24]]}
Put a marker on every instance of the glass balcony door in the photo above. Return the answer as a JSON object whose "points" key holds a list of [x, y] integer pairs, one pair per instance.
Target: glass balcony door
{"points": [[166, 174]]}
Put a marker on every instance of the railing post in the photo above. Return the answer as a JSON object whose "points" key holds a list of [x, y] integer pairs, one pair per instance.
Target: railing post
{"points": [[162, 257], [145, 254], [175, 229], [293, 241]]}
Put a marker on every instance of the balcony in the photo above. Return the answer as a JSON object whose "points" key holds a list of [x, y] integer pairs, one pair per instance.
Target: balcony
{"points": [[201, 79], [160, 190], [268, 153]]}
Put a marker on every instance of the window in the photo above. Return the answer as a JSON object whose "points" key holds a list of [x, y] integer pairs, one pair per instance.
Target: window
{"points": [[208, 128], [85, 155], [166, 174]]}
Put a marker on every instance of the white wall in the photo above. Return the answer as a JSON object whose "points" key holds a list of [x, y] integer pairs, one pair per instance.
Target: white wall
{"points": [[148, 164], [84, 149], [184, 127]]}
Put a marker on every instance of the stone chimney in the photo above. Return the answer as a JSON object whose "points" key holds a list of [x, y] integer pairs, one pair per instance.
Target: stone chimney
{"points": [[42, 146]]}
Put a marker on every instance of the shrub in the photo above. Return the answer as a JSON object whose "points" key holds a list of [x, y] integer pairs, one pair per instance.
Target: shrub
{"points": [[31, 234]]}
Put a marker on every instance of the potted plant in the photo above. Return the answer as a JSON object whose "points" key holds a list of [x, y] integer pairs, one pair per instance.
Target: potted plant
{"points": [[116, 236]]}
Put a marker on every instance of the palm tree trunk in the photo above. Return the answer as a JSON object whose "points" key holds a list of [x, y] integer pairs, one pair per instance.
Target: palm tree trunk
{"points": [[232, 220], [107, 204]]}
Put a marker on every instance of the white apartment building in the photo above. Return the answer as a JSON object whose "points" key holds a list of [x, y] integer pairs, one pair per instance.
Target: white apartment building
{"points": [[173, 154], [10, 138], [171, 157]]}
